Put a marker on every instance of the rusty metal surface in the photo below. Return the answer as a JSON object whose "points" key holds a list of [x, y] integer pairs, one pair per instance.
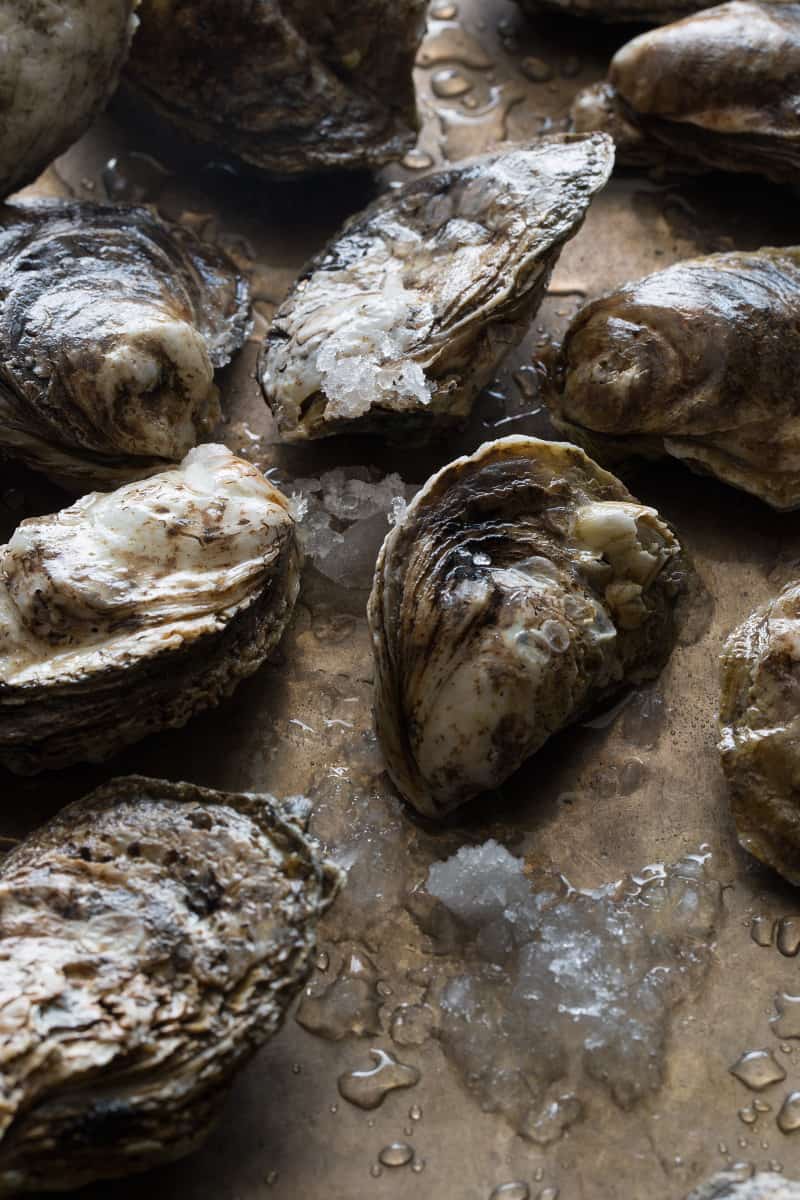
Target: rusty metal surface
{"points": [[304, 723]]}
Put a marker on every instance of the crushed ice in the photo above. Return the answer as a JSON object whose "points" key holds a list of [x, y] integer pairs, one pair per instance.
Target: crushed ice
{"points": [[344, 516], [555, 990]]}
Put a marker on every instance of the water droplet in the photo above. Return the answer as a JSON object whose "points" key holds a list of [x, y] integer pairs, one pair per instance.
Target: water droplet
{"points": [[418, 1165], [408, 1130], [762, 931], [789, 1115], [349, 1005], [758, 1069], [775, 1166], [453, 45], [383, 989], [738, 1172], [296, 1068], [548, 1193], [788, 939], [511, 1191], [448, 83], [417, 160], [376, 1170], [134, 178], [787, 1022], [538, 1174], [415, 1112], [412, 1024], [722, 1147], [748, 1115], [444, 11], [270, 1178], [367, 1089], [762, 1106], [468, 133], [323, 960], [334, 1108], [396, 1154], [536, 69]]}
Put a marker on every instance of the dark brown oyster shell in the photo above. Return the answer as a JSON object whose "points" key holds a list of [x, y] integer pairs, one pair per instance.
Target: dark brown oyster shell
{"points": [[400, 321], [152, 936], [111, 325], [59, 65], [132, 610], [700, 362], [720, 88], [759, 719], [286, 86], [523, 586]]}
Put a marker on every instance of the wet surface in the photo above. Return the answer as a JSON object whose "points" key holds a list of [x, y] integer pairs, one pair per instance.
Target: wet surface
{"points": [[636, 786]]}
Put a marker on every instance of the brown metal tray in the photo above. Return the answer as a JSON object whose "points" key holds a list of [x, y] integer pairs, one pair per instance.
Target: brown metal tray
{"points": [[303, 724]]}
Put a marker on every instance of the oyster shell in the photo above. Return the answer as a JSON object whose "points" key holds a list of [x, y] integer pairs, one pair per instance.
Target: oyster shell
{"points": [[59, 65], [151, 938], [720, 88], [759, 720], [132, 610], [399, 322], [111, 325], [524, 585], [285, 85], [655, 12], [766, 1185], [700, 362]]}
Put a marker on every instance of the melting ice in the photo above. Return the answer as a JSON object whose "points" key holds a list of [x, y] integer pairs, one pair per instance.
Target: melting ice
{"points": [[559, 989]]}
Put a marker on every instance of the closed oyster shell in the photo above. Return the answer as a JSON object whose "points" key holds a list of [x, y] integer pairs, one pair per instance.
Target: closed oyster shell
{"points": [[151, 938], [111, 325], [765, 1185], [285, 85], [700, 362], [59, 65], [720, 88], [399, 322], [523, 586], [655, 12], [132, 610], [759, 720]]}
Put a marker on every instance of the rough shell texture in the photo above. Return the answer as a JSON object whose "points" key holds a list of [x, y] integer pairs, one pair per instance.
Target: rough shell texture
{"points": [[111, 324], [700, 361], [760, 731], [151, 938], [766, 1185], [524, 585], [654, 12], [285, 85], [132, 610], [720, 88], [59, 64], [402, 318]]}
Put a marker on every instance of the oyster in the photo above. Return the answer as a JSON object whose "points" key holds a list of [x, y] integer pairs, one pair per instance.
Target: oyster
{"points": [[700, 362], [759, 725], [654, 12], [399, 322], [720, 88], [151, 938], [111, 324], [728, 1185], [132, 610], [284, 85], [523, 586], [59, 64]]}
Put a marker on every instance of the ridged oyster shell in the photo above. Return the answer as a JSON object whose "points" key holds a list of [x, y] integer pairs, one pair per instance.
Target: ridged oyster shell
{"points": [[132, 610], [287, 86], [698, 362], [111, 324], [760, 726], [720, 88], [151, 938], [59, 65], [523, 586], [399, 322]]}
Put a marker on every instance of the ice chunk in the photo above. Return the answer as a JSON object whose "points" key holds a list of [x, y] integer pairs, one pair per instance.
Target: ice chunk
{"points": [[559, 984]]}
